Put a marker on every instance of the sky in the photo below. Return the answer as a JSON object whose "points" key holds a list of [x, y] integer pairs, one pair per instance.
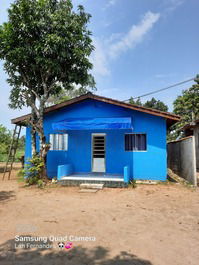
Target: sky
{"points": [[140, 46]]}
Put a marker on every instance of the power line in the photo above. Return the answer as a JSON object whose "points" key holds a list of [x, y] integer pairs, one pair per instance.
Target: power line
{"points": [[162, 89]]}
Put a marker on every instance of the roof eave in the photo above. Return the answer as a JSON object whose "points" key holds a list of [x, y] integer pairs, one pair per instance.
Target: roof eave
{"points": [[171, 118]]}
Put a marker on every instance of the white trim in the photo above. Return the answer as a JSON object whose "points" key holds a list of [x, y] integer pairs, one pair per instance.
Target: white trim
{"points": [[93, 178]]}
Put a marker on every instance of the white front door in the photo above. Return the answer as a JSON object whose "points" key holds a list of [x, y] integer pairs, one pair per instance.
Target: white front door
{"points": [[98, 152]]}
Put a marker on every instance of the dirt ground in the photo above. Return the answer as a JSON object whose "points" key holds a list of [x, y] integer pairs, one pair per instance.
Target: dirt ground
{"points": [[148, 225]]}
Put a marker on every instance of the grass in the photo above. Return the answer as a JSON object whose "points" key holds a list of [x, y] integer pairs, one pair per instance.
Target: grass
{"points": [[19, 154], [20, 177], [132, 184]]}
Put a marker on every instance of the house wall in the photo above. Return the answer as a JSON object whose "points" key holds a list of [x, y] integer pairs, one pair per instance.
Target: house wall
{"points": [[182, 158], [150, 164], [196, 134]]}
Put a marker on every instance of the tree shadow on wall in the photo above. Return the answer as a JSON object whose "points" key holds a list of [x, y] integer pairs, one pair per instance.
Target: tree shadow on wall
{"points": [[9, 255]]}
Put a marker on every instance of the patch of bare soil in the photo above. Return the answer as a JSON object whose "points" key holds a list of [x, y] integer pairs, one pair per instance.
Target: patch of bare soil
{"points": [[149, 225]]}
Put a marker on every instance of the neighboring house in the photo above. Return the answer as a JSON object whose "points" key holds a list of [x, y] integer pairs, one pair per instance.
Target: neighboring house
{"points": [[193, 129], [95, 134]]}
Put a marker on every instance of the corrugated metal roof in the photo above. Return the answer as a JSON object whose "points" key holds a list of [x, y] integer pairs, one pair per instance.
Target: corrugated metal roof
{"points": [[171, 118]]}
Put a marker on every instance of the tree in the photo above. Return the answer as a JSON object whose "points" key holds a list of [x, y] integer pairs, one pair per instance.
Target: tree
{"points": [[5, 140], [45, 45], [135, 102], [153, 104], [156, 104], [65, 95], [187, 106]]}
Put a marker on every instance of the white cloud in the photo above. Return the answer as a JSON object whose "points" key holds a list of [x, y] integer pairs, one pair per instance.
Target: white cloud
{"points": [[110, 3], [99, 59], [117, 43], [135, 34], [172, 5]]}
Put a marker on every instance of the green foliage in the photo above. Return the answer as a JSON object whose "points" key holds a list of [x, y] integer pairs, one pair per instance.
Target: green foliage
{"points": [[33, 170], [187, 106], [153, 104], [133, 184], [135, 102], [21, 143], [65, 95], [156, 104], [45, 45], [20, 175], [40, 184], [5, 141]]}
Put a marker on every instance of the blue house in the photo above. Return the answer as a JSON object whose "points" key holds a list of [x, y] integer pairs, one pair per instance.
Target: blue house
{"points": [[94, 136]]}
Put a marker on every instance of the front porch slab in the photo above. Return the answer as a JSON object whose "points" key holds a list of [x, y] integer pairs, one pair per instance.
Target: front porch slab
{"points": [[107, 180], [92, 178]]}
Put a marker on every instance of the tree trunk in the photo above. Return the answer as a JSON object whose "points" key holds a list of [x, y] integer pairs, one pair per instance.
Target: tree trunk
{"points": [[44, 147], [33, 142], [43, 154], [33, 131]]}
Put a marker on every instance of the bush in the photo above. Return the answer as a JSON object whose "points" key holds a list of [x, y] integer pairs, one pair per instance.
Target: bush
{"points": [[20, 175], [133, 184], [40, 183], [32, 171]]}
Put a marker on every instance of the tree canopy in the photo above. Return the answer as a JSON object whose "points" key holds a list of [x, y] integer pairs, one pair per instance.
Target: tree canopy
{"points": [[5, 141], [66, 95], [135, 102], [46, 47], [187, 106], [156, 104], [153, 104]]}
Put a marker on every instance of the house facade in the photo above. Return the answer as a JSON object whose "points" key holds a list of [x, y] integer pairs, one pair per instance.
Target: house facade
{"points": [[93, 134]]}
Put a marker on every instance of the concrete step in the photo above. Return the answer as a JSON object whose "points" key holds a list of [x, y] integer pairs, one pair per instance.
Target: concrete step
{"points": [[150, 182], [95, 186], [110, 183]]}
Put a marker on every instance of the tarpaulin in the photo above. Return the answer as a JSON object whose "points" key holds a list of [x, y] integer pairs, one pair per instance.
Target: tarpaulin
{"points": [[93, 123]]}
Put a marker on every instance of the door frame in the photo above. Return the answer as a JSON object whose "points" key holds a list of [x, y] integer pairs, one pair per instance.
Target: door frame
{"points": [[92, 136]]}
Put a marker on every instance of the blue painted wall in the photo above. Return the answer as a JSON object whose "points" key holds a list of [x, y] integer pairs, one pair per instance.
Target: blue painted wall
{"points": [[150, 164]]}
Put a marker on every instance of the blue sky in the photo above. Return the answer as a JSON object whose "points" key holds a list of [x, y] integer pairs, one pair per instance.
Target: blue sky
{"points": [[141, 46]]}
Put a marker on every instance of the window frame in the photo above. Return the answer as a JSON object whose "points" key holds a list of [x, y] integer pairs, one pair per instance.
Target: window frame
{"points": [[136, 150], [57, 135]]}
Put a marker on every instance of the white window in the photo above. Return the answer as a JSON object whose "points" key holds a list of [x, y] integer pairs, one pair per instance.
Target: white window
{"points": [[135, 142], [59, 142]]}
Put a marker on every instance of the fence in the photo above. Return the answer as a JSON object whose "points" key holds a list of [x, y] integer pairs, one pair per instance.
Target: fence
{"points": [[181, 157]]}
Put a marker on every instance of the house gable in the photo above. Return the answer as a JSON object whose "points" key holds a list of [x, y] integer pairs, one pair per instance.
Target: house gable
{"points": [[170, 118]]}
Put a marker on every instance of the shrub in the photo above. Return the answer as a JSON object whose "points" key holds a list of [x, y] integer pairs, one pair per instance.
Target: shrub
{"points": [[20, 175], [40, 183], [32, 171], [133, 183]]}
